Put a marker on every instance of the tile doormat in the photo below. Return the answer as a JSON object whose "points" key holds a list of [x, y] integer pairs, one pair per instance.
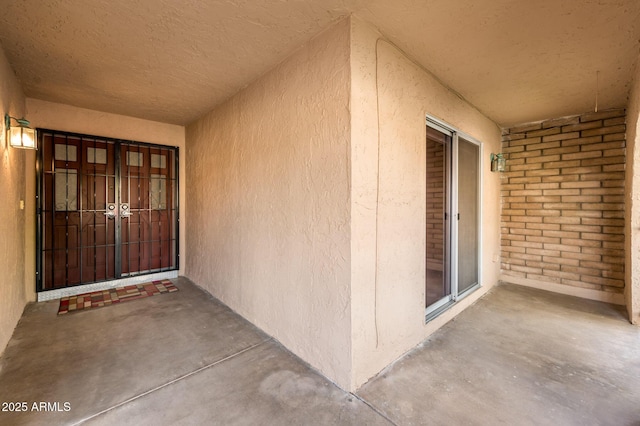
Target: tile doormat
{"points": [[111, 296]]}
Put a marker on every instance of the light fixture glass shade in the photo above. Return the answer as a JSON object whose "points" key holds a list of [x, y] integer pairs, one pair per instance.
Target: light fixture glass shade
{"points": [[22, 137], [498, 163]]}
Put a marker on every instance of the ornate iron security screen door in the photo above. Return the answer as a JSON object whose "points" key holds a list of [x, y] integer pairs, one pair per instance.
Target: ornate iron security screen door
{"points": [[107, 209]]}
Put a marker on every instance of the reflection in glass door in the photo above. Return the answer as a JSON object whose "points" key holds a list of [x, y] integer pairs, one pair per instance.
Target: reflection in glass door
{"points": [[437, 255], [452, 217]]}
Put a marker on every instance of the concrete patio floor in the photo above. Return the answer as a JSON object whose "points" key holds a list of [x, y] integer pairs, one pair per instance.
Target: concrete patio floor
{"points": [[518, 356]]}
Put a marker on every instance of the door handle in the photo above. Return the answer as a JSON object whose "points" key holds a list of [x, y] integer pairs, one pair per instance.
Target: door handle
{"points": [[124, 210], [111, 211]]}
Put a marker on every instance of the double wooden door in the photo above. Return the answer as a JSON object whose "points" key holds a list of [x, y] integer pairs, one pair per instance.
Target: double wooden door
{"points": [[107, 209]]}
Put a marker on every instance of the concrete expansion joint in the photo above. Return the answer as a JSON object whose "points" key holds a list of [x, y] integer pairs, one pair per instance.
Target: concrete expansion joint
{"points": [[164, 385], [368, 404]]}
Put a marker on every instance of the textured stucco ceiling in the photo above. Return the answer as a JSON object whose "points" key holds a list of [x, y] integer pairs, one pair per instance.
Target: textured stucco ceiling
{"points": [[174, 60]]}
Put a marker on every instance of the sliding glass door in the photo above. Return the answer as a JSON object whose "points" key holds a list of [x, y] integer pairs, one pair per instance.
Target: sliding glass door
{"points": [[452, 250]]}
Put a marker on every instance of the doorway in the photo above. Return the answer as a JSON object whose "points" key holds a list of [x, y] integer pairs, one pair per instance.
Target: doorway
{"points": [[107, 209], [452, 249]]}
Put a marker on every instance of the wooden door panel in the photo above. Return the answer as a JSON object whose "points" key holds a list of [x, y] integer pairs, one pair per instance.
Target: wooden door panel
{"points": [[97, 229], [160, 254], [97, 192], [136, 235], [66, 231], [161, 247], [135, 257], [66, 267], [136, 230], [99, 263], [136, 227], [66, 260], [136, 192], [98, 242]]}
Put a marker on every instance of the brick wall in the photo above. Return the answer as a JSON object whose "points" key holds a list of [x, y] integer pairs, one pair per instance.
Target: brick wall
{"points": [[563, 201]]}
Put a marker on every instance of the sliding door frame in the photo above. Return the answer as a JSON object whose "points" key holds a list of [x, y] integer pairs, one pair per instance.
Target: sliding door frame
{"points": [[451, 232]]}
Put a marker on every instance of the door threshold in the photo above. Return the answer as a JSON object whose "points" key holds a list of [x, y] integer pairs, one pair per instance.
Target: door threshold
{"points": [[59, 293], [436, 312], [431, 315]]}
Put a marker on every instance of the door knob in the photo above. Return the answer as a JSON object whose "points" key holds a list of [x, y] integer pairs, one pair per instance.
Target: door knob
{"points": [[124, 210], [111, 211]]}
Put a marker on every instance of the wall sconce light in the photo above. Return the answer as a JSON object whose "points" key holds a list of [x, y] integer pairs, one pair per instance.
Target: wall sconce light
{"points": [[20, 136], [498, 163]]}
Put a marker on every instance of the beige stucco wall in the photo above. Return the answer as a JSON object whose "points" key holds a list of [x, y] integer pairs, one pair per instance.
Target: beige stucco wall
{"points": [[13, 295], [393, 94], [68, 118], [269, 203], [632, 204]]}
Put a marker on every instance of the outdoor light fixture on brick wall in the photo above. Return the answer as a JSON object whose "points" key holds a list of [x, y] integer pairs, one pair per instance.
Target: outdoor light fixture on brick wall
{"points": [[498, 163], [20, 136]]}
